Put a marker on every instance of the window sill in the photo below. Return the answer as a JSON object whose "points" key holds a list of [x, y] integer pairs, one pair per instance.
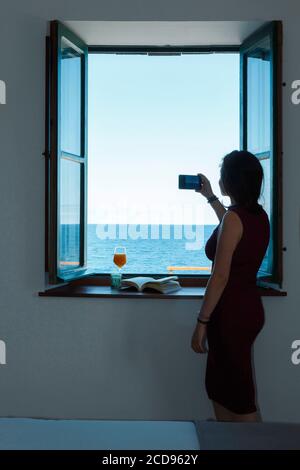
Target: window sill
{"points": [[93, 290]]}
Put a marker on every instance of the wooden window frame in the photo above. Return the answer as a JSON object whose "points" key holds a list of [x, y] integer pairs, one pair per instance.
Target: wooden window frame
{"points": [[55, 154], [273, 30]]}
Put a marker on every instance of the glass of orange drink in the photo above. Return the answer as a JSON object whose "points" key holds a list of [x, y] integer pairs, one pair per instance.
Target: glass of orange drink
{"points": [[120, 257]]}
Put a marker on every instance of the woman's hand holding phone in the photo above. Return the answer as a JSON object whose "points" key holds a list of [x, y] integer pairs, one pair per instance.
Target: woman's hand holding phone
{"points": [[205, 189]]}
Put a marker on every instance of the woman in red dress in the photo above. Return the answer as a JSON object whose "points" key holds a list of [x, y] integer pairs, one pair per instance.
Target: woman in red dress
{"points": [[232, 312]]}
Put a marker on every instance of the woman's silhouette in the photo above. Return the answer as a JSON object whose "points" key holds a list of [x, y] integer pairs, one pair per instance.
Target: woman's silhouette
{"points": [[232, 312]]}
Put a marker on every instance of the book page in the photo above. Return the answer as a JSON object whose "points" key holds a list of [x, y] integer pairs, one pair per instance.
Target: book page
{"points": [[163, 288], [164, 280], [137, 281], [142, 281]]}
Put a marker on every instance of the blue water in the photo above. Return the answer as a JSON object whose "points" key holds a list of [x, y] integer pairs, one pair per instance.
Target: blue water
{"points": [[150, 249]]}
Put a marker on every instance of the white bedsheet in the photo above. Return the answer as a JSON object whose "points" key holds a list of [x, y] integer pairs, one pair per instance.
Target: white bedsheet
{"points": [[43, 434]]}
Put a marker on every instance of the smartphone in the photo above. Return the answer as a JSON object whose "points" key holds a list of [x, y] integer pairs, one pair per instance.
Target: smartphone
{"points": [[189, 182]]}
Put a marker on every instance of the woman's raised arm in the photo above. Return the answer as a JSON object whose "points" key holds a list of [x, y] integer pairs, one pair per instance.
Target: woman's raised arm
{"points": [[206, 191]]}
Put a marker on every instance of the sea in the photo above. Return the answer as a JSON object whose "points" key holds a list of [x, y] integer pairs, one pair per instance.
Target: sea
{"points": [[150, 249]]}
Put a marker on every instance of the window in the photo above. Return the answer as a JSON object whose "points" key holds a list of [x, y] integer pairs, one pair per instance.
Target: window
{"points": [[67, 168], [160, 120], [261, 130], [67, 165]]}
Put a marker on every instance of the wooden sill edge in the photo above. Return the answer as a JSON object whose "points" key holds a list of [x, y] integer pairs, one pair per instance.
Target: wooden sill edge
{"points": [[96, 290]]}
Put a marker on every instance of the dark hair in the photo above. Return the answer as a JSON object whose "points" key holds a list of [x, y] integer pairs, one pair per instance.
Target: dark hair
{"points": [[242, 176]]}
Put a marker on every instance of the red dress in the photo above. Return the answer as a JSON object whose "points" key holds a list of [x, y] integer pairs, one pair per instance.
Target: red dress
{"points": [[237, 318]]}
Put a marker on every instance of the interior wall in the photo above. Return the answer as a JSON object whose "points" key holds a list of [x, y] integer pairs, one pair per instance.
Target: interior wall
{"points": [[114, 358]]}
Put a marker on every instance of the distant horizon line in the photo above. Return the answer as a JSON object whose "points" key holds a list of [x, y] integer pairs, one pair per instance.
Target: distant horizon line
{"points": [[142, 224]]}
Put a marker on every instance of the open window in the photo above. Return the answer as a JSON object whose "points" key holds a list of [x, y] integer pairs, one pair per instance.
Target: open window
{"points": [[67, 165], [66, 142], [261, 130]]}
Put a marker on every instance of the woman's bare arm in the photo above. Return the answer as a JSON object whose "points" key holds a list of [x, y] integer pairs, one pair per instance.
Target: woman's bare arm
{"points": [[218, 208], [206, 191]]}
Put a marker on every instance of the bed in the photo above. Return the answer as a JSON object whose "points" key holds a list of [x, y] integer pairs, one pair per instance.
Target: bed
{"points": [[50, 434]]}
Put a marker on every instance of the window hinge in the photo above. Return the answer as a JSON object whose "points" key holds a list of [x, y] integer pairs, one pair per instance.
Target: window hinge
{"points": [[46, 154]]}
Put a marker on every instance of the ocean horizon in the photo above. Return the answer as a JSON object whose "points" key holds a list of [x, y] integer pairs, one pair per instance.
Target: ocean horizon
{"points": [[150, 248]]}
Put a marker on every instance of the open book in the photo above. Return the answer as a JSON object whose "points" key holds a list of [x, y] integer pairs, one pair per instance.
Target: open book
{"points": [[163, 285]]}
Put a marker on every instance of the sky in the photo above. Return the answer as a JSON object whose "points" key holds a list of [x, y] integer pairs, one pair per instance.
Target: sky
{"points": [[151, 119]]}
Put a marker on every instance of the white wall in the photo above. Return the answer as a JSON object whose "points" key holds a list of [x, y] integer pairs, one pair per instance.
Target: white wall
{"points": [[113, 358]]}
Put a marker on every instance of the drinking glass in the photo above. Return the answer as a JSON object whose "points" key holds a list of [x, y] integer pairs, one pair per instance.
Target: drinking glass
{"points": [[120, 257]]}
